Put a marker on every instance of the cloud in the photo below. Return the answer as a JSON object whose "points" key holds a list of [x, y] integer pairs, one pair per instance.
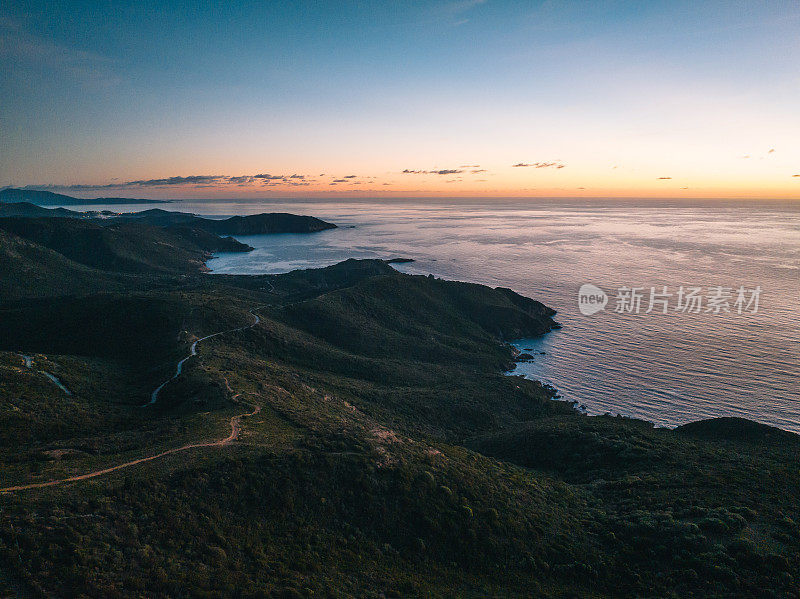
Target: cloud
{"points": [[771, 150], [444, 171], [76, 187], [25, 49], [795, 175], [185, 181], [460, 6], [340, 181], [556, 164], [664, 178], [476, 171], [350, 176], [470, 166], [243, 180], [190, 180]]}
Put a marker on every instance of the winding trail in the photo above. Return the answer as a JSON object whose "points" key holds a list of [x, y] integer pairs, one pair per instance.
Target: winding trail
{"points": [[193, 352], [29, 365], [235, 423], [235, 430]]}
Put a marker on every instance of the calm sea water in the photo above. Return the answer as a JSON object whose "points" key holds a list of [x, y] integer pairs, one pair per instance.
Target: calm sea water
{"points": [[667, 368]]}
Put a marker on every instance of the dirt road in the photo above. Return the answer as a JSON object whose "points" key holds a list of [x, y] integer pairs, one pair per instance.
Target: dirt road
{"points": [[234, 434]]}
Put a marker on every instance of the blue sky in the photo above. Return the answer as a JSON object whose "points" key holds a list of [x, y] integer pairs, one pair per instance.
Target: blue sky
{"points": [[630, 98]]}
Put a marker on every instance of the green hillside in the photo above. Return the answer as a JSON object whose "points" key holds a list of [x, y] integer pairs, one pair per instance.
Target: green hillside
{"points": [[385, 454], [122, 248]]}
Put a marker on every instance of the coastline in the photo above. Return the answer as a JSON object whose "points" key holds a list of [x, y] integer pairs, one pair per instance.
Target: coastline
{"points": [[380, 430]]}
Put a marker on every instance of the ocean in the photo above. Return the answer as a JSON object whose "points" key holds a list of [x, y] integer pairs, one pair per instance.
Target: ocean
{"points": [[702, 312]]}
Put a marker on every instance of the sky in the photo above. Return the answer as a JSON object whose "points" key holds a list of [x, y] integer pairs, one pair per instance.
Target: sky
{"points": [[388, 99]]}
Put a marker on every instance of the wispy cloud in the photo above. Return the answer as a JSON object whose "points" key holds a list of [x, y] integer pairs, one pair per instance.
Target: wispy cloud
{"points": [[242, 180], [461, 6], [190, 180], [444, 171], [454, 12], [183, 181], [539, 165], [27, 50], [664, 178]]}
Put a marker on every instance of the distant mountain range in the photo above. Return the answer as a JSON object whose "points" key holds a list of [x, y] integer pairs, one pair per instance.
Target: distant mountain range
{"points": [[28, 210], [48, 198], [254, 224]]}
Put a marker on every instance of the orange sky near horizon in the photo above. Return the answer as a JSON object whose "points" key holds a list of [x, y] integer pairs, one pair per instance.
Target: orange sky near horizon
{"points": [[490, 183], [439, 98]]}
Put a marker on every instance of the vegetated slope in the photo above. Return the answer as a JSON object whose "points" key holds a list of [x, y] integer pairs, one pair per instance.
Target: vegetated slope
{"points": [[737, 430], [423, 353], [390, 456], [308, 283], [121, 248], [377, 315], [30, 270], [141, 328], [690, 510], [324, 486]]}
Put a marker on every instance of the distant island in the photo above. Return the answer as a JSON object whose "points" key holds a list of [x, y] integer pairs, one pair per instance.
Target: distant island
{"points": [[253, 224], [49, 198]]}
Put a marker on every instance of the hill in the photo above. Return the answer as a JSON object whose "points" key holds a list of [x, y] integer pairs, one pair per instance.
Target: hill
{"points": [[254, 224], [26, 209], [122, 248], [31, 270], [49, 198], [341, 432]]}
